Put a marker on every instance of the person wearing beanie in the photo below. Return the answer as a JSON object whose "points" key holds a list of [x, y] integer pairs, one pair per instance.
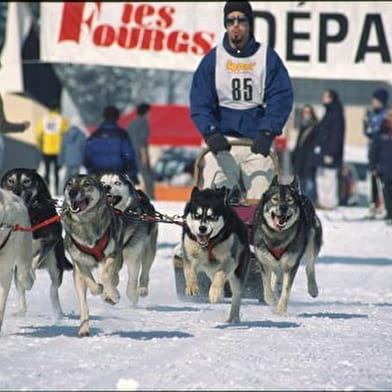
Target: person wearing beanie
{"points": [[241, 90], [373, 120]]}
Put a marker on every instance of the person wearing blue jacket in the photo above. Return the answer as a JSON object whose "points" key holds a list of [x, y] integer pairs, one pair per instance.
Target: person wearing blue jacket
{"points": [[240, 90], [110, 149], [380, 159]]}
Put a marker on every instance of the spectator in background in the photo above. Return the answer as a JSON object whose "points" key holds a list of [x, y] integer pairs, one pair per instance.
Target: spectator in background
{"points": [[49, 132], [372, 125], [72, 149], [109, 147], [7, 127], [303, 151], [380, 156], [328, 150], [139, 132]]}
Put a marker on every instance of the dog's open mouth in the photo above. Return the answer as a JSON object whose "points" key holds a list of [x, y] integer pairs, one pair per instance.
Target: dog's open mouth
{"points": [[113, 200], [280, 221], [202, 239], [79, 205]]}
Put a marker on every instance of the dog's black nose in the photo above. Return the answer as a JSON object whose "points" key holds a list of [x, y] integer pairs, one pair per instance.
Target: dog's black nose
{"points": [[202, 229], [284, 208], [107, 188], [72, 193]]}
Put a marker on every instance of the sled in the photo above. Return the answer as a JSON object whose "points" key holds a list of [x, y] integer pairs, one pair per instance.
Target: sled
{"points": [[245, 209]]}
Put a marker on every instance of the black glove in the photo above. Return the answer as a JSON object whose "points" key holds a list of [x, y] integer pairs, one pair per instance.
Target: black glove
{"points": [[217, 142], [262, 144]]}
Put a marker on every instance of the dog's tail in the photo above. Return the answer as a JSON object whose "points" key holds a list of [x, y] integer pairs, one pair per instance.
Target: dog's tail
{"points": [[63, 264]]}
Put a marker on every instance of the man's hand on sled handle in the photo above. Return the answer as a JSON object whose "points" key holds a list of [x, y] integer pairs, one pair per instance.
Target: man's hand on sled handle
{"points": [[216, 142], [262, 144]]}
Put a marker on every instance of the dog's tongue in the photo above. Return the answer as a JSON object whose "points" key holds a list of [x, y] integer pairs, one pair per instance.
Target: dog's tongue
{"points": [[79, 205], [279, 221], [202, 240]]}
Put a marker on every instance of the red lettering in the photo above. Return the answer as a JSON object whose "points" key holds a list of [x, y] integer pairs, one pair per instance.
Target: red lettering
{"points": [[72, 20], [203, 42], [141, 12], [128, 38], [173, 43], [104, 35], [127, 13], [153, 39], [166, 13]]}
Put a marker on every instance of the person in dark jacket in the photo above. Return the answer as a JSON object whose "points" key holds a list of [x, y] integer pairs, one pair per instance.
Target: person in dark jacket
{"points": [[303, 151], [380, 159], [328, 150], [139, 133], [109, 148], [372, 125], [240, 90], [72, 150]]}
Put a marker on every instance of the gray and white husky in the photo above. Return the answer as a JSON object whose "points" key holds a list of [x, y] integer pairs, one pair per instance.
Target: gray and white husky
{"points": [[97, 235], [123, 196], [215, 241], [16, 252], [285, 228]]}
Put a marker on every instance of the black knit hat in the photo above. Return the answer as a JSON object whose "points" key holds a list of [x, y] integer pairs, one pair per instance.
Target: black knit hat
{"points": [[241, 6]]}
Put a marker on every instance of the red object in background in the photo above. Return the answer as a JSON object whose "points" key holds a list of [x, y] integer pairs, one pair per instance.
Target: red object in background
{"points": [[170, 124], [280, 143]]}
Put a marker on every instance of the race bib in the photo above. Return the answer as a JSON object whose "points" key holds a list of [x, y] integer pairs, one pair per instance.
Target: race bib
{"points": [[240, 81]]}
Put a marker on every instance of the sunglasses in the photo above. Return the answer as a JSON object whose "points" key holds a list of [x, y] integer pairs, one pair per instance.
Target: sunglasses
{"points": [[240, 19]]}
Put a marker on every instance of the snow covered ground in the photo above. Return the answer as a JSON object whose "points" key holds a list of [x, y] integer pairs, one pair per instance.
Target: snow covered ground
{"points": [[340, 340]]}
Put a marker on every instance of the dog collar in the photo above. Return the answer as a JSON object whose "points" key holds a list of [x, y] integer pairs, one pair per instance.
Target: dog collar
{"points": [[98, 249]]}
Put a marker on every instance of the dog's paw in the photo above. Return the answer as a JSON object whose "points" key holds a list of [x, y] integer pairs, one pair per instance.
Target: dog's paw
{"points": [[313, 289], [83, 334], [269, 298], [97, 289], [191, 290], [281, 311], [233, 319], [143, 291], [215, 293], [112, 297]]}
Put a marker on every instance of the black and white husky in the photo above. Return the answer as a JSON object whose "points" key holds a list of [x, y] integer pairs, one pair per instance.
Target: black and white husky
{"points": [[215, 241], [48, 246], [15, 249], [285, 228], [123, 196]]}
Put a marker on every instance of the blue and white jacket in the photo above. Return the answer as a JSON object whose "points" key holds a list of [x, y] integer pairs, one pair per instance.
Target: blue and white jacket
{"points": [[210, 116]]}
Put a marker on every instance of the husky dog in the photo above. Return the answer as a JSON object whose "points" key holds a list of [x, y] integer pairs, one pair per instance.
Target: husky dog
{"points": [[15, 249], [96, 235], [123, 196], [215, 241], [48, 246], [285, 227]]}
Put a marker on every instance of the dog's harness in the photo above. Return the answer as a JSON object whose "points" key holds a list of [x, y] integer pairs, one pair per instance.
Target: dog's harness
{"points": [[278, 251], [98, 249], [5, 240]]}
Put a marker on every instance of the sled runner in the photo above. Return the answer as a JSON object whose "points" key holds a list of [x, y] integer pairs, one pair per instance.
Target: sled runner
{"points": [[245, 209]]}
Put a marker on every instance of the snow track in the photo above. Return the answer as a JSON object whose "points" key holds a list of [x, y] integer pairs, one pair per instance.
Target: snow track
{"points": [[340, 340]]}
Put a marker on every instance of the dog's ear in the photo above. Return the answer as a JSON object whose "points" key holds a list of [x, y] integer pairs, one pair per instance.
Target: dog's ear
{"points": [[195, 192], [275, 181], [221, 192], [295, 183]]}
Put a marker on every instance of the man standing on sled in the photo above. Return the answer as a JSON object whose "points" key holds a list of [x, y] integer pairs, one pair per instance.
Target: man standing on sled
{"points": [[240, 91]]}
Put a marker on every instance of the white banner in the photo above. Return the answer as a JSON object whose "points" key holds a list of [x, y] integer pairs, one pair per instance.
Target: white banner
{"points": [[325, 40]]}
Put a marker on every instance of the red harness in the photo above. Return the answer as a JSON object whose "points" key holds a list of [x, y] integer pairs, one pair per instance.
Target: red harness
{"points": [[98, 249], [211, 257], [277, 252]]}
